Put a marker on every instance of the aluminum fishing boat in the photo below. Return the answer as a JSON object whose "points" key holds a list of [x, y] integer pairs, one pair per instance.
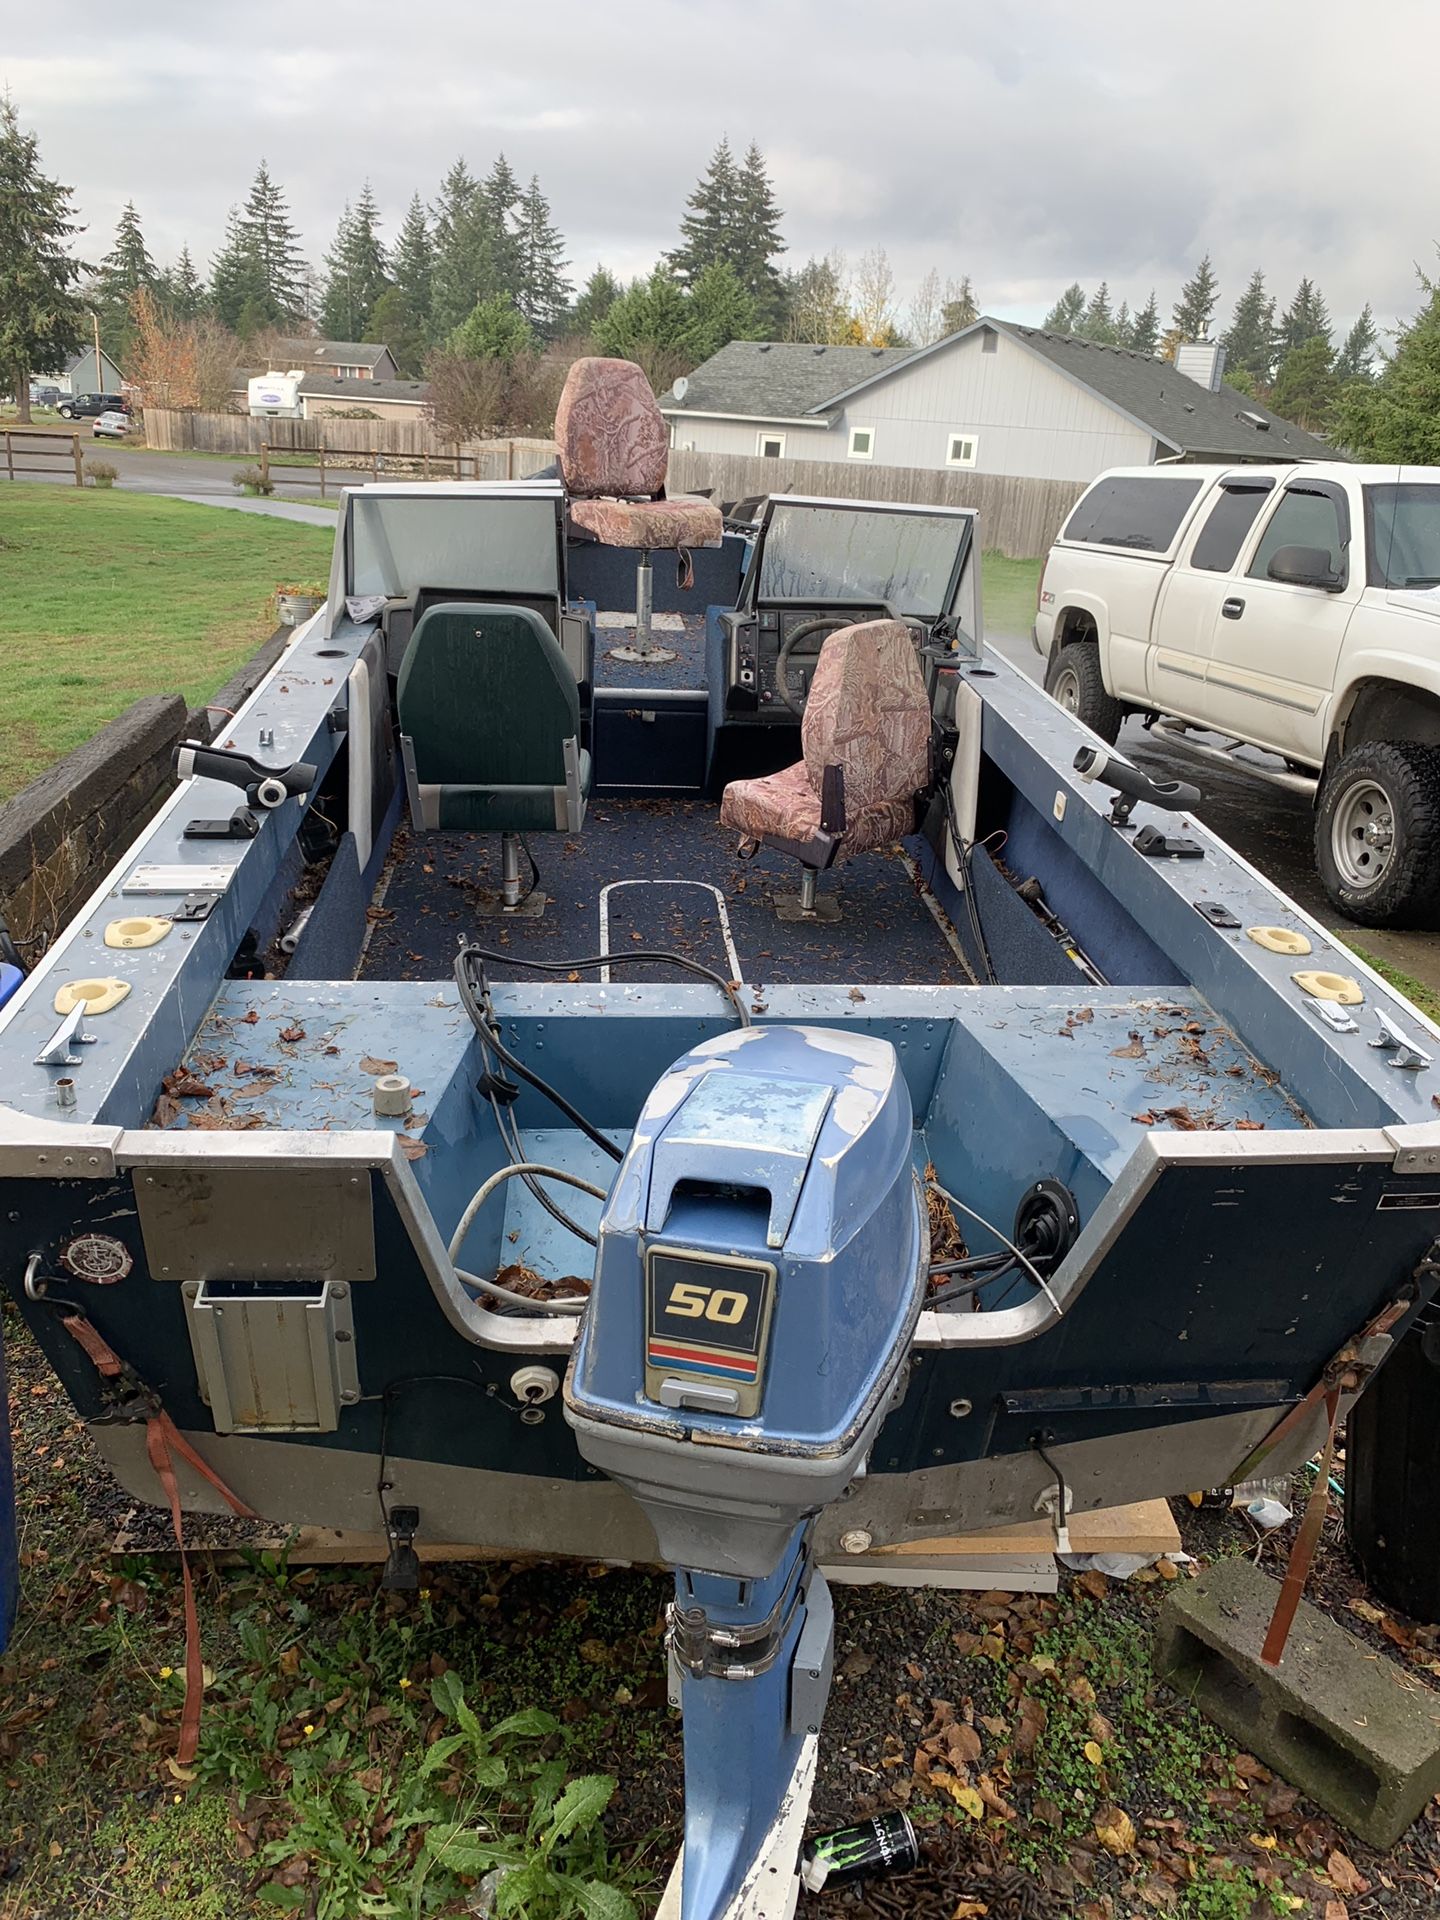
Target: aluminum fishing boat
{"points": [[640, 1041]]}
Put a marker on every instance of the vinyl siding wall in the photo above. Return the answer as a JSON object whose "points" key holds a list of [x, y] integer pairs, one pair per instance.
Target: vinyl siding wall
{"points": [[1026, 418]]}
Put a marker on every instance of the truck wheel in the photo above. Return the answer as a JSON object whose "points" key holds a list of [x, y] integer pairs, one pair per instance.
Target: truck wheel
{"points": [[1377, 834], [1074, 681]]}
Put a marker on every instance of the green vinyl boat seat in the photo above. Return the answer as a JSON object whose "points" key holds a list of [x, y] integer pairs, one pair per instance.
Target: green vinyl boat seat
{"points": [[489, 717]]}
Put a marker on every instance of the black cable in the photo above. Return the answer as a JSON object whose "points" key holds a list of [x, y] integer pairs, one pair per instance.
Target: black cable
{"points": [[385, 1396], [488, 1028], [1059, 1481], [660, 956], [534, 869]]}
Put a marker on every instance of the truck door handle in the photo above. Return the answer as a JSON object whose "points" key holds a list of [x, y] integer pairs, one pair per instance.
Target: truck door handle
{"points": [[1232, 608]]}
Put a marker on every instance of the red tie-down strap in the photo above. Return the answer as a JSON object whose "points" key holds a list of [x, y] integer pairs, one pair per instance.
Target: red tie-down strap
{"points": [[1346, 1373], [162, 1437]]}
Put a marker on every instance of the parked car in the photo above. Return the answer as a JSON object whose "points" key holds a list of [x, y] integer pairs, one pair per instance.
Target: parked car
{"points": [[44, 396], [82, 406], [111, 425], [1291, 608]]}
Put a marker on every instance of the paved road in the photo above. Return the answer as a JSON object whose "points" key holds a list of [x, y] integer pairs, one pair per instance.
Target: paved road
{"points": [[1270, 827], [206, 481]]}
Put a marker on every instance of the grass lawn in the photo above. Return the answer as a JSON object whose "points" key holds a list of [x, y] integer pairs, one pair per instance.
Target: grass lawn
{"points": [[108, 596], [1009, 588]]}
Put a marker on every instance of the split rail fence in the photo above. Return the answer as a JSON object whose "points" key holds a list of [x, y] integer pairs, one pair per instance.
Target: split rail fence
{"points": [[61, 447]]}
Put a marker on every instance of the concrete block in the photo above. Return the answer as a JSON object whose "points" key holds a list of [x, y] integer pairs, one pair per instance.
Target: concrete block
{"points": [[1352, 1729]]}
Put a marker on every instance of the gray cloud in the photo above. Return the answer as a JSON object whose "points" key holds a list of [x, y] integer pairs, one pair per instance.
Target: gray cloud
{"points": [[1025, 145]]}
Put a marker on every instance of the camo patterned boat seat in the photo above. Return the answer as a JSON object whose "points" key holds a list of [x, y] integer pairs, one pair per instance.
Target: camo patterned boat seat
{"points": [[614, 453], [866, 738]]}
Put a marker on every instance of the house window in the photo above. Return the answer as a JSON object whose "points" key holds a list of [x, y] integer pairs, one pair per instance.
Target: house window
{"points": [[962, 450], [770, 446], [862, 442]]}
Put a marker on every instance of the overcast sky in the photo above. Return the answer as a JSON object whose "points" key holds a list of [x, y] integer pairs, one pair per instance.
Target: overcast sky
{"points": [[1026, 145]]}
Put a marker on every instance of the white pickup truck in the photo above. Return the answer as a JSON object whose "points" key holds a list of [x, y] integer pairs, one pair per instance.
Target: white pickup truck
{"points": [[1291, 608]]}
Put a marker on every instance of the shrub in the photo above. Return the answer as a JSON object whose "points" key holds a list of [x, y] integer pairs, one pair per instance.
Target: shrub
{"points": [[252, 481], [101, 473]]}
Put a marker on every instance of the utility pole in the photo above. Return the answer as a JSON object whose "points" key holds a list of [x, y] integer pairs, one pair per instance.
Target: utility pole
{"points": [[99, 375]]}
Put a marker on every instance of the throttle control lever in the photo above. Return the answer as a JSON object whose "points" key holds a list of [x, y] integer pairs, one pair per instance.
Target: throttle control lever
{"points": [[263, 786]]}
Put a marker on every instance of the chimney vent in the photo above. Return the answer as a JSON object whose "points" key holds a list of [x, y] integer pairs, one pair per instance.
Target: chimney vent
{"points": [[1202, 361]]}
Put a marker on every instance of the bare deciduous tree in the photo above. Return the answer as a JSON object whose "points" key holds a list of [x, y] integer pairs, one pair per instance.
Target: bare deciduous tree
{"points": [[187, 364], [874, 297], [926, 310]]}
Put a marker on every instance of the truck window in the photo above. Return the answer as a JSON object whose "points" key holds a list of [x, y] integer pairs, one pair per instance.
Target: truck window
{"points": [[1402, 534], [1231, 518], [1133, 510], [1310, 516]]}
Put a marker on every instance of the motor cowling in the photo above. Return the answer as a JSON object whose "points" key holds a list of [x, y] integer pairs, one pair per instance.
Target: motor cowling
{"points": [[760, 1268]]}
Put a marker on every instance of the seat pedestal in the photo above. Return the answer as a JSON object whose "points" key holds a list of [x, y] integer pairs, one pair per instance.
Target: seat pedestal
{"points": [[644, 652], [808, 904], [510, 902]]}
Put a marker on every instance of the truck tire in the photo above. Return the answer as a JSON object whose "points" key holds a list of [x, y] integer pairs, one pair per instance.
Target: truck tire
{"points": [[1074, 681], [1377, 834]]}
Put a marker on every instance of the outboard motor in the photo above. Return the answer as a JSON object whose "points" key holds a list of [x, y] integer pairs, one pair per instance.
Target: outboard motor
{"points": [[761, 1265]]}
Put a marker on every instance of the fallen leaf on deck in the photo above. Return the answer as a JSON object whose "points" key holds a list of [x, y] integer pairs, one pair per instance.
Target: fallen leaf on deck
{"points": [[412, 1149], [369, 1064], [1135, 1050], [292, 1034]]}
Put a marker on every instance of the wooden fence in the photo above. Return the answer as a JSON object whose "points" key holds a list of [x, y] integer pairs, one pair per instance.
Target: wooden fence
{"points": [[1019, 516], [236, 433], [63, 448]]}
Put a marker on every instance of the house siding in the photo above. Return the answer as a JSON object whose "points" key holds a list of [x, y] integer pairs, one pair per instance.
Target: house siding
{"points": [[1027, 419]]}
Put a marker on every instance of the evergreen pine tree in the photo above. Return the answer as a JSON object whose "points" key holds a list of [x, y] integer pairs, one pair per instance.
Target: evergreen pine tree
{"points": [[1098, 322], [412, 264], [652, 314], [543, 293], [454, 275], [1306, 318], [356, 271], [1396, 417], [124, 271], [1306, 389], [597, 296], [182, 288], [1195, 308], [720, 310], [1124, 320], [1356, 359], [236, 279], [1145, 327], [710, 230], [1068, 311], [128, 266], [501, 195], [757, 240], [275, 246], [492, 330], [1249, 340], [41, 315], [960, 308]]}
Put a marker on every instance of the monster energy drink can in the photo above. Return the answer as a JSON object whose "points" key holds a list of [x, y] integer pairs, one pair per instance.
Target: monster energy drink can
{"points": [[885, 1844]]}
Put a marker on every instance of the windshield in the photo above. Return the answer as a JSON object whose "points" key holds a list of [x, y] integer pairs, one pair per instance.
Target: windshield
{"points": [[400, 543], [905, 561], [1402, 534]]}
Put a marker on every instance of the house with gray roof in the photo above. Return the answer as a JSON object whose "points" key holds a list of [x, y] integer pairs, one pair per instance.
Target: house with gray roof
{"points": [[994, 398]]}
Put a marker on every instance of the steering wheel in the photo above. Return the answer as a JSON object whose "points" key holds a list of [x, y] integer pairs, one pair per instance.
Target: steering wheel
{"points": [[792, 640], [804, 630]]}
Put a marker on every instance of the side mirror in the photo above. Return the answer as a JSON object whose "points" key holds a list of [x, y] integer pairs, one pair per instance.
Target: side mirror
{"points": [[1304, 567]]}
